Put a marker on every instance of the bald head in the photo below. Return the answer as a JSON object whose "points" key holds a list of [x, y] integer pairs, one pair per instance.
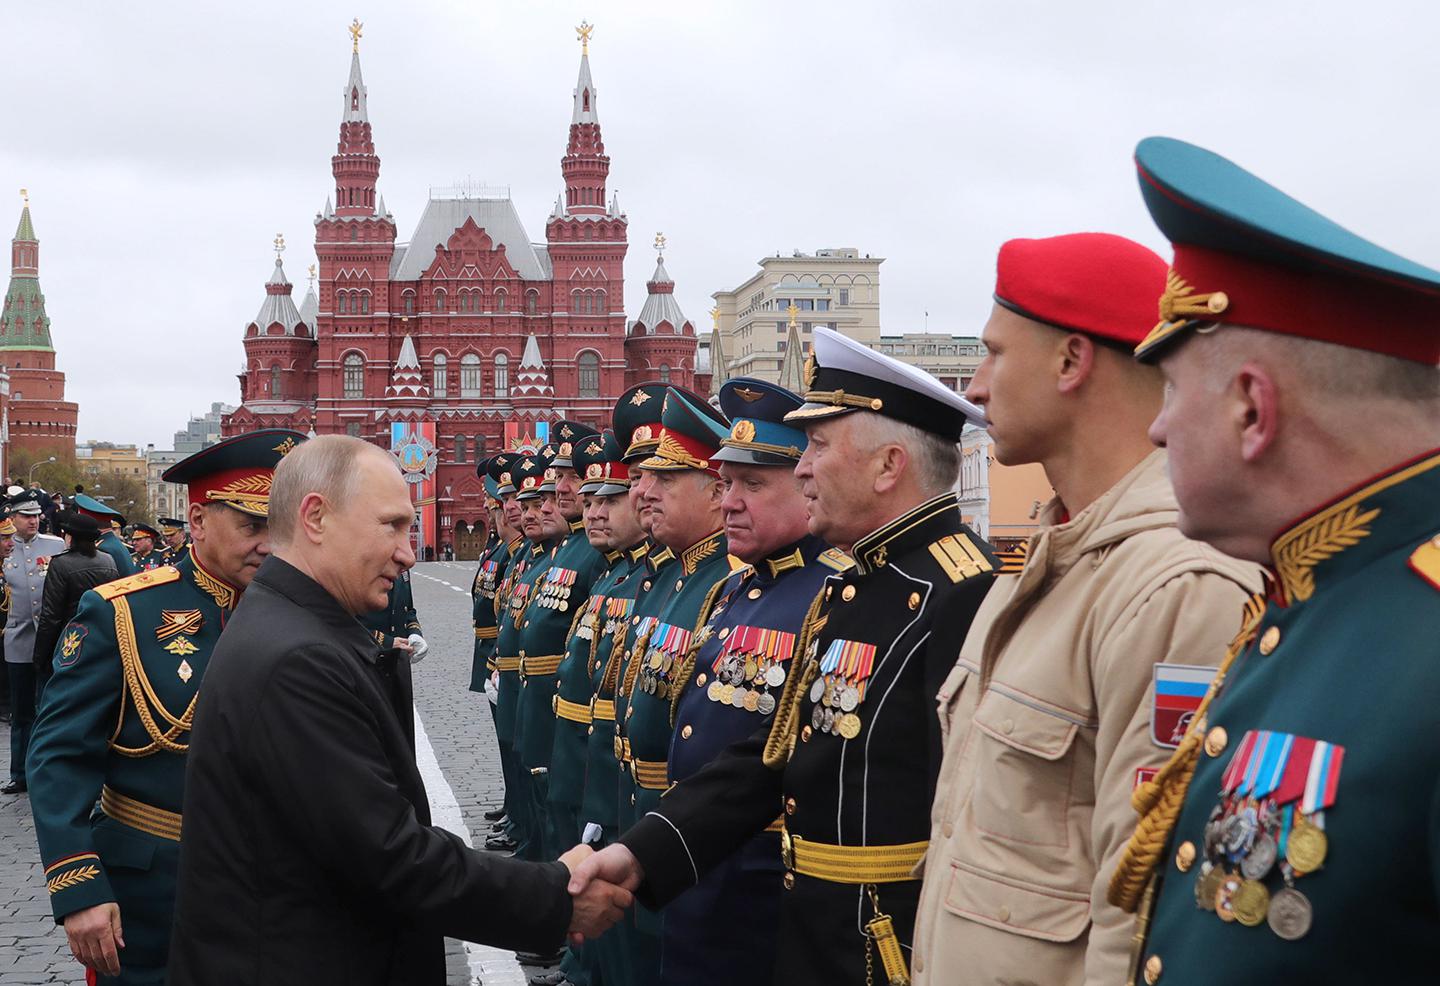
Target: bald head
{"points": [[326, 465]]}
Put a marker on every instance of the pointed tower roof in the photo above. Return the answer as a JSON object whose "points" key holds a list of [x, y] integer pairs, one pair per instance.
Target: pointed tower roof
{"points": [[531, 380], [792, 367], [279, 306], [23, 321], [719, 365], [660, 304], [310, 307], [584, 111], [407, 381], [355, 109]]}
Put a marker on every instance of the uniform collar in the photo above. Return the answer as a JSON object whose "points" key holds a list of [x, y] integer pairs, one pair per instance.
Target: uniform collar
{"points": [[1395, 508], [692, 556], [638, 552], [514, 545], [285, 579], [795, 555], [577, 525], [611, 557], [915, 528], [659, 554], [224, 593]]}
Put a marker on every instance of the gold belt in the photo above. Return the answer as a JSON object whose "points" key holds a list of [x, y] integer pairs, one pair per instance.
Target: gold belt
{"points": [[850, 864], [503, 664], [653, 775], [154, 821], [548, 664], [622, 749], [603, 708], [573, 711], [486, 633], [490, 663]]}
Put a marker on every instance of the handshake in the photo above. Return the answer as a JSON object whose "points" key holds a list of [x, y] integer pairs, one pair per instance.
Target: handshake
{"points": [[601, 888]]}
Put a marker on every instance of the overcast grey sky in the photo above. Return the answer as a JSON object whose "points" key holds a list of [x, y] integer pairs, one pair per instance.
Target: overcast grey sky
{"points": [[165, 143]]}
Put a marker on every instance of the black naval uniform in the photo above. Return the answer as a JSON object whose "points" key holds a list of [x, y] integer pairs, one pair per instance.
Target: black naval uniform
{"points": [[851, 760]]}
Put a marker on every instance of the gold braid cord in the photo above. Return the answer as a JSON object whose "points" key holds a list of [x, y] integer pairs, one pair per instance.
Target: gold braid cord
{"points": [[688, 664], [142, 694], [1159, 801], [637, 657], [784, 729]]}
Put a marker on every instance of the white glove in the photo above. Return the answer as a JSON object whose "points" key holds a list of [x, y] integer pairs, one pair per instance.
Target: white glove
{"points": [[491, 692], [418, 648]]}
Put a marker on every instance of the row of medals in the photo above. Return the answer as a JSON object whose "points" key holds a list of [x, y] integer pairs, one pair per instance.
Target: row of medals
{"points": [[1241, 850], [554, 595], [655, 673], [835, 700], [743, 681]]}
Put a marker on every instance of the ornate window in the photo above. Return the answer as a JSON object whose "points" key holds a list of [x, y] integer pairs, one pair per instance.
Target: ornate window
{"points": [[500, 299], [364, 302], [469, 375], [439, 299], [532, 302], [275, 380], [664, 372], [344, 298], [589, 364], [502, 376], [459, 448], [409, 297], [438, 382], [354, 375]]}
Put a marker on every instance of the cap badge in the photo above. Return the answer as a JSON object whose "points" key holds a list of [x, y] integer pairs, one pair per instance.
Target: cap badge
{"points": [[566, 448], [595, 471], [527, 464], [284, 447], [810, 370], [748, 395], [551, 475], [642, 434], [640, 398], [744, 431], [505, 479], [1181, 301], [593, 448], [565, 432], [548, 450]]}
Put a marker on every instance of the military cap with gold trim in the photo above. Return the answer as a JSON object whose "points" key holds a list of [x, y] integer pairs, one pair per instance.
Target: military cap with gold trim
{"points": [[605, 473], [690, 434], [7, 526], [499, 468], [91, 507], [144, 531], [170, 525], [566, 435], [530, 473], [236, 472], [758, 435], [1247, 254], [844, 376], [637, 419]]}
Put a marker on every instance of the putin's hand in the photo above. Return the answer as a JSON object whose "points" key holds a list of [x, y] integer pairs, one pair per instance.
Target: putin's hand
{"points": [[96, 937], [597, 903]]}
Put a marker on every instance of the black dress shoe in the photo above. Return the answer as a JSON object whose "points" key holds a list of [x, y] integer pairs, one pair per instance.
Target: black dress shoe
{"points": [[500, 826], [494, 814], [531, 958], [500, 843], [14, 787], [556, 978]]}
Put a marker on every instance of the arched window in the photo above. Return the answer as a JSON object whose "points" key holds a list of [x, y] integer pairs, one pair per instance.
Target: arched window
{"points": [[344, 298], [500, 299], [664, 372], [438, 382], [469, 375], [409, 302], [355, 98], [460, 447], [502, 376], [275, 380], [589, 364], [600, 302], [364, 302], [354, 230], [532, 302], [354, 376], [575, 302], [439, 299]]}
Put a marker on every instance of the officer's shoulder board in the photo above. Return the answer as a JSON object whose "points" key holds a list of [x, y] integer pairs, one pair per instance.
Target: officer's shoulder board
{"points": [[134, 583], [735, 563], [835, 558], [1425, 561], [959, 557]]}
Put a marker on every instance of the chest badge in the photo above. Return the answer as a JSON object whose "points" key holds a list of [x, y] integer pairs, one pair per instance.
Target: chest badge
{"points": [[1179, 690], [181, 646], [184, 671], [177, 621]]}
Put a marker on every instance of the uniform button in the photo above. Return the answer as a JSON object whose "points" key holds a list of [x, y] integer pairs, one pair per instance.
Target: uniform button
{"points": [[589, 730], [914, 602], [685, 733], [789, 806], [789, 881], [527, 624], [700, 680], [1004, 913], [1153, 968], [632, 799], [1270, 640], [1008, 726], [847, 593], [636, 620], [805, 734], [949, 829], [724, 632], [1185, 857], [1216, 740], [753, 593], [679, 583]]}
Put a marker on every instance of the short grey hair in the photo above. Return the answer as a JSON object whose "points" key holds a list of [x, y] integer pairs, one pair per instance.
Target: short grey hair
{"points": [[324, 465], [934, 458]]}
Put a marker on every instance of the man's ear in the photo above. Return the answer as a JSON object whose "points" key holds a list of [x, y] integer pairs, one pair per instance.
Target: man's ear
{"points": [[1255, 410], [1075, 361], [196, 515], [891, 461], [313, 512]]}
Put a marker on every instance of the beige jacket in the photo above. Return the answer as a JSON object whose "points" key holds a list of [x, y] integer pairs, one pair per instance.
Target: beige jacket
{"points": [[1046, 720]]}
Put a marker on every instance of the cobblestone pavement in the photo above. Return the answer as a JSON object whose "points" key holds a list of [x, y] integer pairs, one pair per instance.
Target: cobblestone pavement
{"points": [[456, 722]]}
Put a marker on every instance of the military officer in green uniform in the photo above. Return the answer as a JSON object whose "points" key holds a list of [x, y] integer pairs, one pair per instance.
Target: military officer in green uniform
{"points": [[494, 561], [1293, 835], [534, 559], [109, 542], [145, 557], [397, 626], [552, 609], [108, 751], [506, 675], [176, 541]]}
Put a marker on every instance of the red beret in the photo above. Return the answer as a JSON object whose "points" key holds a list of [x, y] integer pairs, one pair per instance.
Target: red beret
{"points": [[1097, 283]]}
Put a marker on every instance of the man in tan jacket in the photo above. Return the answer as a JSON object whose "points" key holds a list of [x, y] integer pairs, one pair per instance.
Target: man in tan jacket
{"points": [[1077, 673]]}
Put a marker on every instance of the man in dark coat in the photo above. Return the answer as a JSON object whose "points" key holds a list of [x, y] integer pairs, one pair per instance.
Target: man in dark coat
{"points": [[309, 856]]}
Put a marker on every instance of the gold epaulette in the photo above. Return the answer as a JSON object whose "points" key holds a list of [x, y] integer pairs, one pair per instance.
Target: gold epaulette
{"points": [[138, 581], [735, 563], [959, 557], [1425, 561], [836, 559]]}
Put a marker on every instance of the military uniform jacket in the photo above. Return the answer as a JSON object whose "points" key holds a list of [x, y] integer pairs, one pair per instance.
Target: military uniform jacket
{"points": [[396, 620], [602, 764], [24, 570], [169, 555], [111, 544], [525, 563], [114, 727], [144, 563], [573, 701], [893, 624], [557, 597], [488, 576], [733, 683], [1332, 700]]}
